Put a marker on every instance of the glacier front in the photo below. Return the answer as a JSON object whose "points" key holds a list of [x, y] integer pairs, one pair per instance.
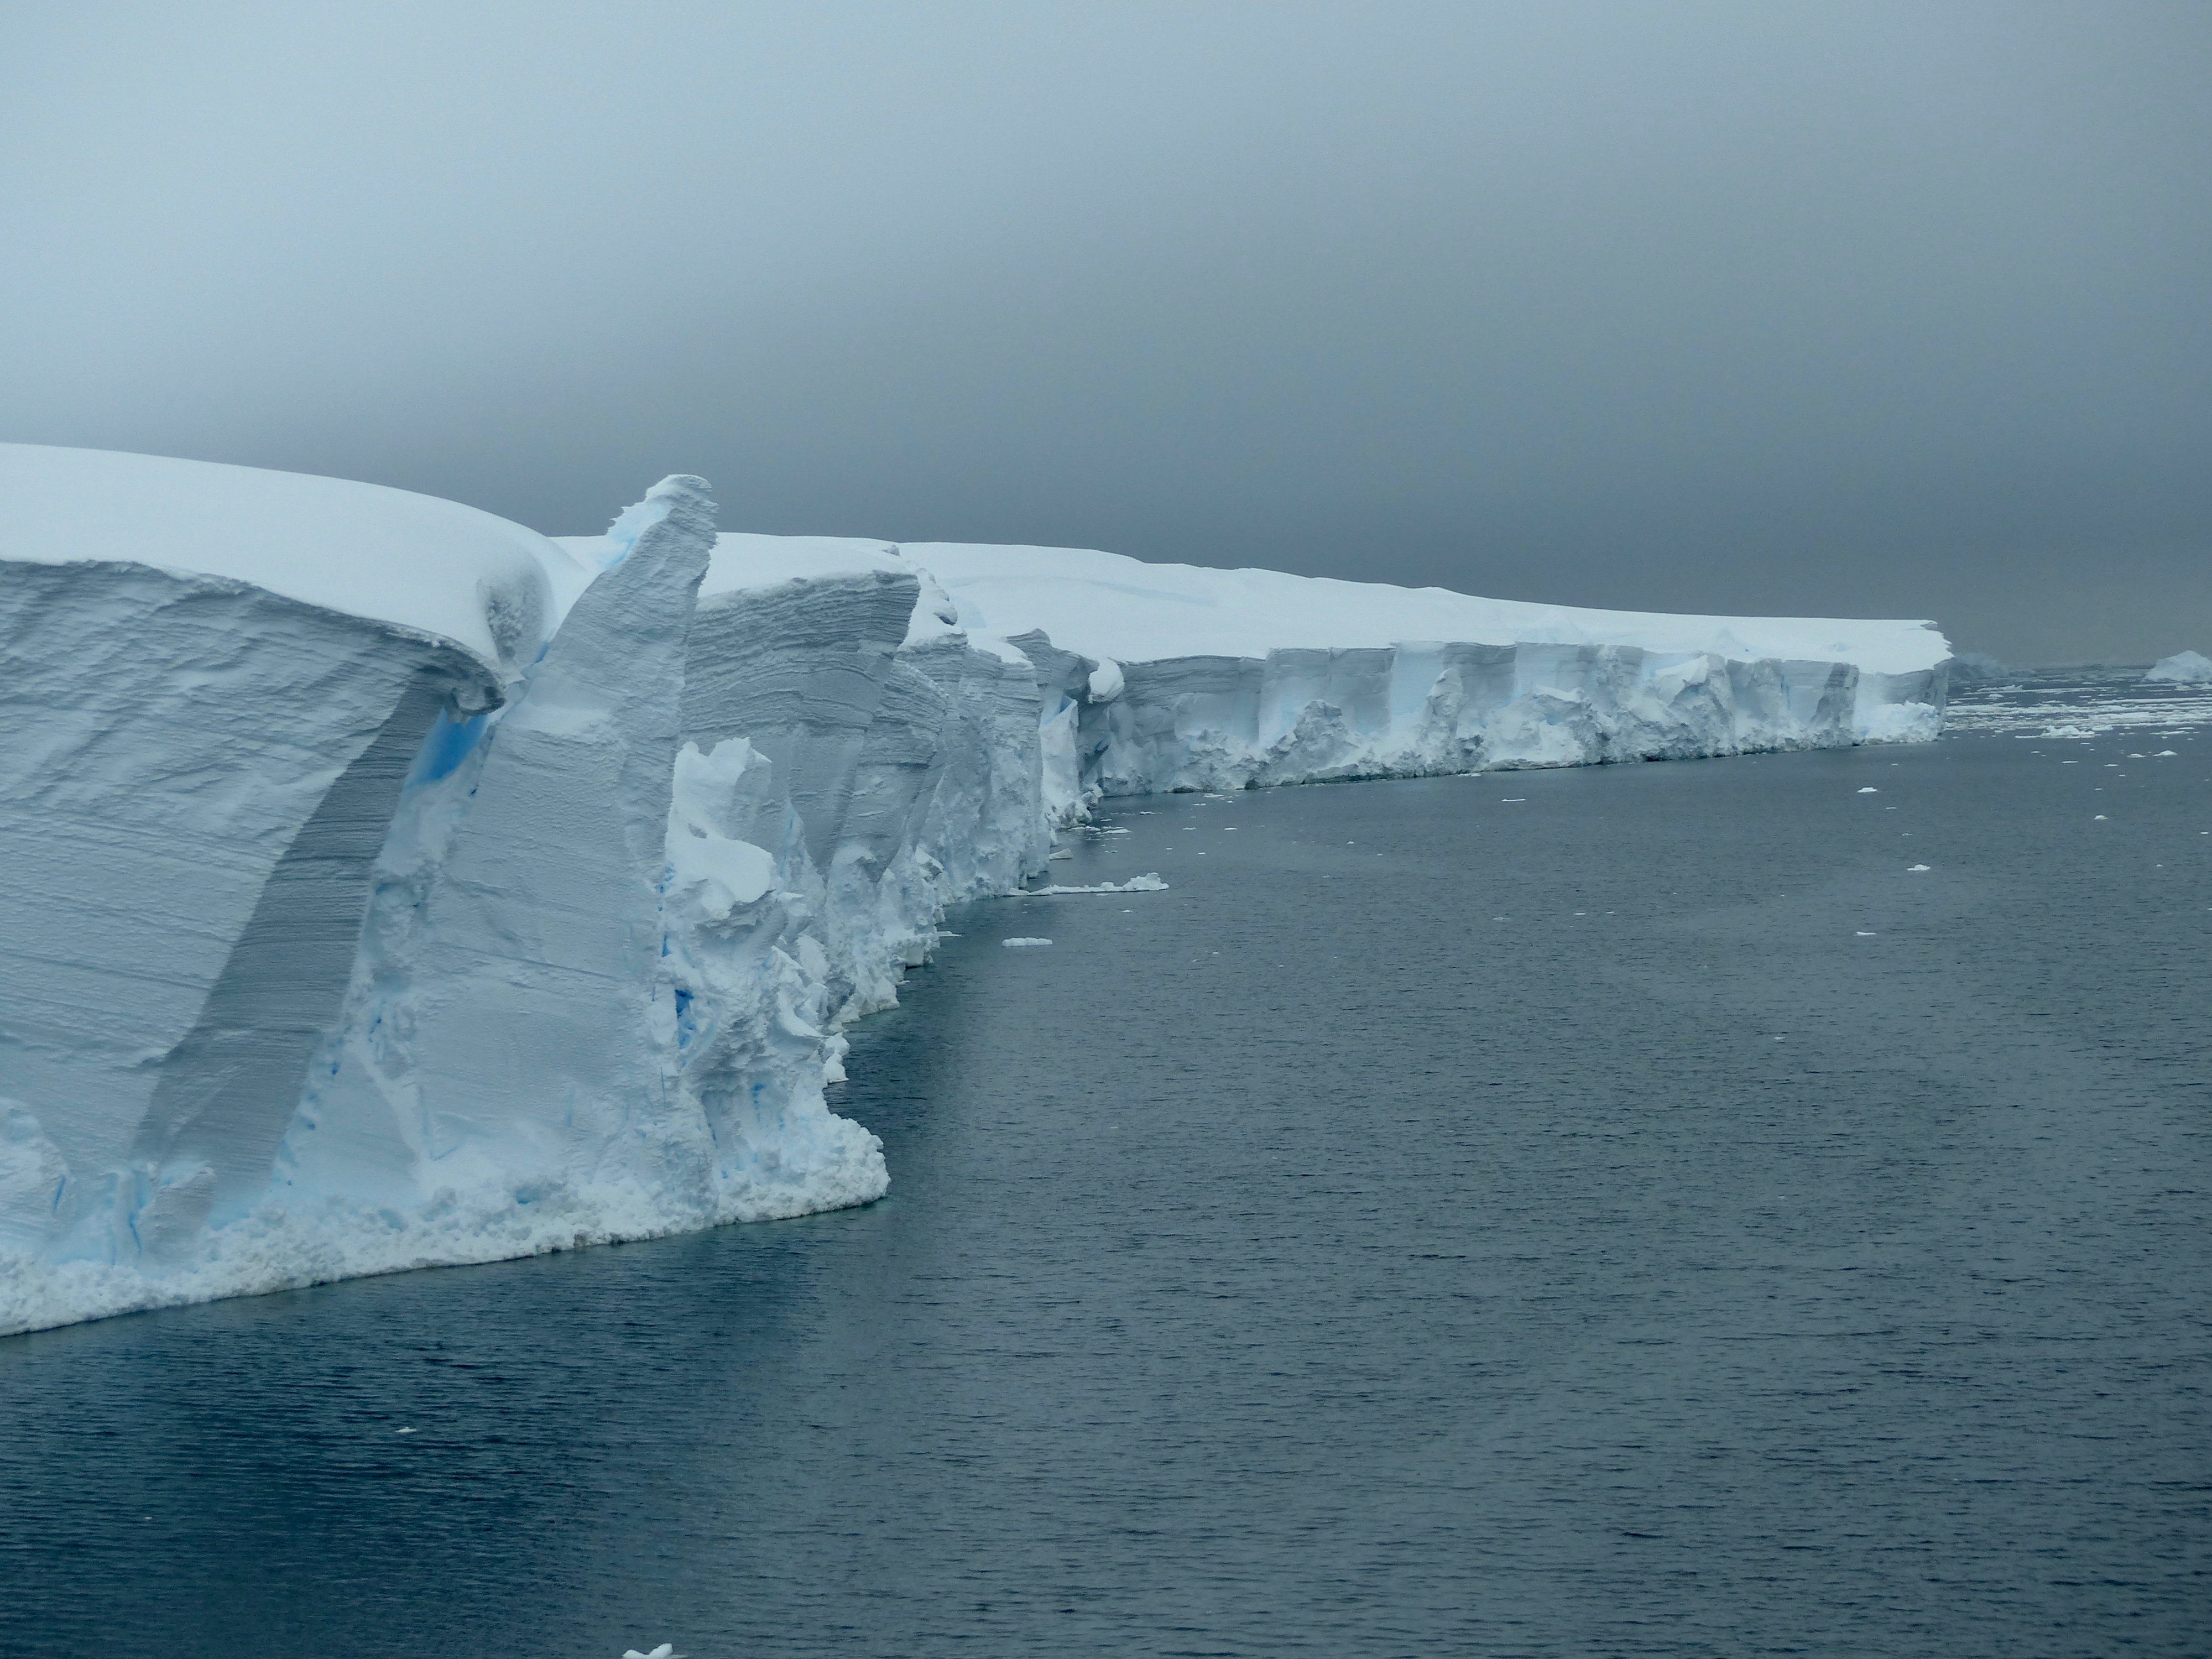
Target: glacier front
{"points": [[384, 884]]}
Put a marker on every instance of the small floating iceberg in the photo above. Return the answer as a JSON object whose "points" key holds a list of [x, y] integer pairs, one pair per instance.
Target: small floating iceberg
{"points": [[1145, 883], [2183, 668]]}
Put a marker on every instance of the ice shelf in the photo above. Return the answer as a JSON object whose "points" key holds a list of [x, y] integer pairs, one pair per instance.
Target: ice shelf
{"points": [[383, 884]]}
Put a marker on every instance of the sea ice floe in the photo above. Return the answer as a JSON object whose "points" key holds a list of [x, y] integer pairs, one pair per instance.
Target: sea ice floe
{"points": [[1145, 883]]}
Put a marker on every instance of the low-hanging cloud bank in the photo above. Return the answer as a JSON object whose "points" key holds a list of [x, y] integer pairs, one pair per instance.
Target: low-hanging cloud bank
{"points": [[1878, 310]]}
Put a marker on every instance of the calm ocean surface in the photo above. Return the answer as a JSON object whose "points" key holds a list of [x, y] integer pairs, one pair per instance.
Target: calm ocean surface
{"points": [[1616, 1211]]}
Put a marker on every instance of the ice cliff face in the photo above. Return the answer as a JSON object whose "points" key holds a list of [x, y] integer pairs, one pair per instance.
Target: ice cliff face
{"points": [[1298, 716], [196, 780], [405, 949], [1175, 676], [383, 884]]}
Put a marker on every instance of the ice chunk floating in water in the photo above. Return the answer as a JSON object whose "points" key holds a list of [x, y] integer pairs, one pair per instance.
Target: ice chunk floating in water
{"points": [[451, 893], [2183, 668], [1146, 883]]}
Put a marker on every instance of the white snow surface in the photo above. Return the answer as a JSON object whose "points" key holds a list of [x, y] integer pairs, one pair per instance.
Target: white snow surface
{"points": [[431, 567], [1110, 606], [2183, 668], [447, 893]]}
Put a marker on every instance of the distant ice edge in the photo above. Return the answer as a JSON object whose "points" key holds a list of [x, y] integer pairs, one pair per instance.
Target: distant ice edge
{"points": [[1426, 709], [330, 946]]}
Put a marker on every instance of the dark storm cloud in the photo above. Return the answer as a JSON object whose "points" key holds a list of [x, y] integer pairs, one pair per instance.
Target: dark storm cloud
{"points": [[1896, 310]]}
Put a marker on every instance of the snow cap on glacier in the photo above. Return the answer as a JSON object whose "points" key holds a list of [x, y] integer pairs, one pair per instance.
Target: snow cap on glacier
{"points": [[1110, 606], [415, 563]]}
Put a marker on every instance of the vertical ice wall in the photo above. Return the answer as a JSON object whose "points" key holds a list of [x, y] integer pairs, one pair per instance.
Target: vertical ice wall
{"points": [[1417, 710], [895, 766], [508, 1042], [519, 905], [441, 978], [195, 780], [1181, 676]]}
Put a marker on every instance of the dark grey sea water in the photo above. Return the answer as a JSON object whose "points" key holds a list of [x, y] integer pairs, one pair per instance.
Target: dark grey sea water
{"points": [[1617, 1211]]}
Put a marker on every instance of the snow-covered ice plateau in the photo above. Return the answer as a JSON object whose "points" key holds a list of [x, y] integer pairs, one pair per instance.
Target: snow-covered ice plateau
{"points": [[1184, 677], [384, 884]]}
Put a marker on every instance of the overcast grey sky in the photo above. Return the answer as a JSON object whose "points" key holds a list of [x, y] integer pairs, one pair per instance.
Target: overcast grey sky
{"points": [[1863, 309]]}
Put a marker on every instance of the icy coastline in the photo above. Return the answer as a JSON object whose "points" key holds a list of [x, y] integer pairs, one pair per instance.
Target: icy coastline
{"points": [[388, 885]]}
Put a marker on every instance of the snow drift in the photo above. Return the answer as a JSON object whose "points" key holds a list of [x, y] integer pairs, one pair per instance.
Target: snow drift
{"points": [[383, 884]]}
